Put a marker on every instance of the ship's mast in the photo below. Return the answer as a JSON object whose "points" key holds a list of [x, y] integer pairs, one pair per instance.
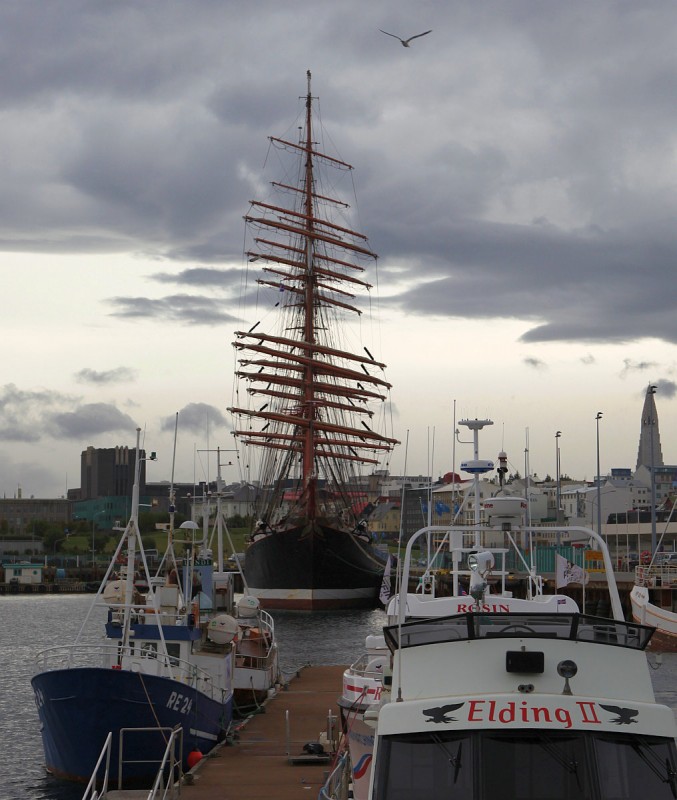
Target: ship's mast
{"points": [[313, 419], [309, 310]]}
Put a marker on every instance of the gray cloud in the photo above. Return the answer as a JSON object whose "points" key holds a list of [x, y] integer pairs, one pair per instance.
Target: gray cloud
{"points": [[202, 277], [22, 412], [196, 418], [89, 419], [117, 375], [511, 159], [666, 388], [30, 415], [189, 309], [535, 363], [630, 366]]}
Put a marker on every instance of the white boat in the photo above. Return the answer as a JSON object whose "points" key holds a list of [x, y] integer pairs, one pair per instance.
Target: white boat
{"points": [[654, 602], [363, 681], [521, 704], [257, 669]]}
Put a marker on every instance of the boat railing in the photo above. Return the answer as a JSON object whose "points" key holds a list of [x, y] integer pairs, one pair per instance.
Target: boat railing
{"points": [[453, 539], [267, 624], [368, 666], [75, 655], [185, 671], [337, 785], [256, 662], [169, 775], [91, 792], [145, 662], [656, 576]]}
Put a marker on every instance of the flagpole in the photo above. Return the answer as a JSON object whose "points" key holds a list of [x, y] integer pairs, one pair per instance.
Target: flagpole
{"points": [[585, 579]]}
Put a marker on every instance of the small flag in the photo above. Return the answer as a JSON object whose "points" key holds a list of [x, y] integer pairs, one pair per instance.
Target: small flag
{"points": [[386, 585], [566, 572]]}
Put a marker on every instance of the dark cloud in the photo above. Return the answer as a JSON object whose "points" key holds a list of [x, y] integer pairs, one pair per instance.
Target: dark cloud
{"points": [[196, 418], [504, 172], [666, 388], [32, 415], [89, 419], [588, 360], [22, 412], [202, 277], [535, 363], [188, 309], [117, 375]]}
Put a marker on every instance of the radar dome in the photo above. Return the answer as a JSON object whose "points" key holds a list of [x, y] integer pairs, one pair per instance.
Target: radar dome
{"points": [[222, 629], [114, 592], [247, 606]]}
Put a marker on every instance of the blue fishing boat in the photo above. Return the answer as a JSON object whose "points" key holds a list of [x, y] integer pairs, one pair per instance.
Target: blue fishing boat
{"points": [[167, 661]]}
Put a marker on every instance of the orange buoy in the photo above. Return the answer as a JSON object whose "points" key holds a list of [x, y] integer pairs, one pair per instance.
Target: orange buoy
{"points": [[194, 757]]}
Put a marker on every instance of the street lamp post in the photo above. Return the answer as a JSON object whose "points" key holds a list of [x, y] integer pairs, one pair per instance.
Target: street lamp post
{"points": [[557, 475], [62, 539], [599, 481], [557, 482]]}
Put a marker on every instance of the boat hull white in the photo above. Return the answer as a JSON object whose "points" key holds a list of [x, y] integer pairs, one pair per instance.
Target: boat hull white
{"points": [[664, 621]]}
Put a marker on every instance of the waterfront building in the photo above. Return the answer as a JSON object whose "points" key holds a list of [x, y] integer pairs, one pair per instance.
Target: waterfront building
{"points": [[18, 514], [109, 472], [384, 520]]}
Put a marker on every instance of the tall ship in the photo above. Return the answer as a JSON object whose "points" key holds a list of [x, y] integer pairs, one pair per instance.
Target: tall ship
{"points": [[310, 408]]}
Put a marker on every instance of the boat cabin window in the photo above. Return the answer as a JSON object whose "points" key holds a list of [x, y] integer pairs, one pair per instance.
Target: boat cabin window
{"points": [[425, 766], [635, 766], [149, 649], [524, 765], [174, 652]]}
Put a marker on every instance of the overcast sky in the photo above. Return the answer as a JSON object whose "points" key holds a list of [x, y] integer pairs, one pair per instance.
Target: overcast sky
{"points": [[515, 170]]}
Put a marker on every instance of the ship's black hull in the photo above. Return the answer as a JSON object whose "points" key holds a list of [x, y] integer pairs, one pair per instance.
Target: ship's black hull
{"points": [[313, 567]]}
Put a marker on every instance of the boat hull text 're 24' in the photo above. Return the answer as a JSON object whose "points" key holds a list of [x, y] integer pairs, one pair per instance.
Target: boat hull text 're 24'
{"points": [[95, 701], [309, 410]]}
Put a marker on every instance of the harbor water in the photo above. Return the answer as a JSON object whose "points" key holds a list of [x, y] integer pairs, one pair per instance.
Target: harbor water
{"points": [[30, 623]]}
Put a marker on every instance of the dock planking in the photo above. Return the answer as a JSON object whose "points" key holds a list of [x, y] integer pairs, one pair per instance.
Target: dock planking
{"points": [[264, 762]]}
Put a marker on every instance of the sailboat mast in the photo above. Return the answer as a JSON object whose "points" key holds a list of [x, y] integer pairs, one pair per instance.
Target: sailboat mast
{"points": [[309, 312]]}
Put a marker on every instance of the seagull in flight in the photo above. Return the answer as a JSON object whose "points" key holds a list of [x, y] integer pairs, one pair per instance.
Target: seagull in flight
{"points": [[405, 42]]}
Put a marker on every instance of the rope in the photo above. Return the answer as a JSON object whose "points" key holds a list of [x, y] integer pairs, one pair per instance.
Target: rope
{"points": [[152, 708]]}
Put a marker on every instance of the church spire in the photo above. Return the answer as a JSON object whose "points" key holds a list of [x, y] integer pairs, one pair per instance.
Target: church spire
{"points": [[649, 434]]}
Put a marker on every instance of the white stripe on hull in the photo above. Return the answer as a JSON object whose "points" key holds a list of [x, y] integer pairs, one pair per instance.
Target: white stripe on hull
{"points": [[313, 598]]}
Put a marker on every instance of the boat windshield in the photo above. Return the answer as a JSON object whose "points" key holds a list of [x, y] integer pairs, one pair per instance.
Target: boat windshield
{"points": [[524, 765], [462, 627]]}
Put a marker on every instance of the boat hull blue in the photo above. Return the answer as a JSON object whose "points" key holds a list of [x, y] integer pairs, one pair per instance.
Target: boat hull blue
{"points": [[79, 706]]}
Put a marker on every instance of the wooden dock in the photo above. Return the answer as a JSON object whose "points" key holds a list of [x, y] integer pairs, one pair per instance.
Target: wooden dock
{"points": [[267, 759]]}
